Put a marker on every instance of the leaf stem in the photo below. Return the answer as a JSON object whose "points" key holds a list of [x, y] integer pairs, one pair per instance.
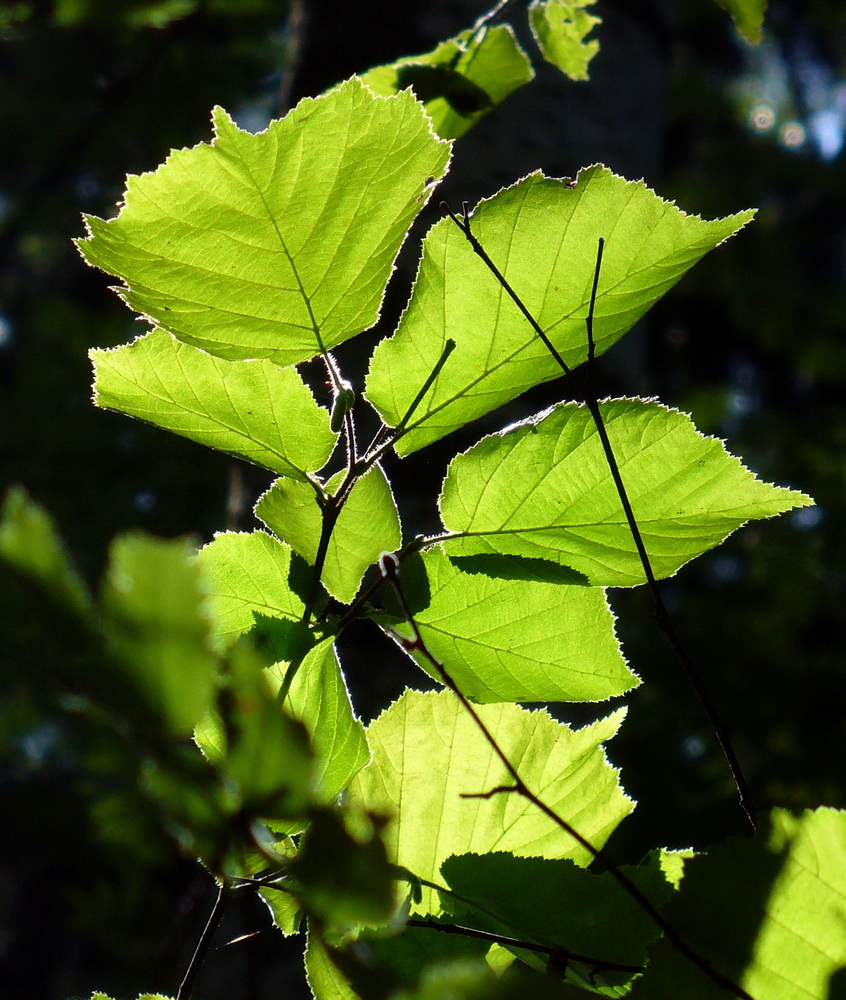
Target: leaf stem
{"points": [[662, 616]]}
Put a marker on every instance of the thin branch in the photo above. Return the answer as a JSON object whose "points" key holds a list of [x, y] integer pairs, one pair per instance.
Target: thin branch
{"points": [[597, 964], [389, 568], [661, 615], [189, 980], [387, 437]]}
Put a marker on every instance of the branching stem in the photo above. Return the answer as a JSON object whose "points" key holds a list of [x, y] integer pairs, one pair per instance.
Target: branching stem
{"points": [[389, 567], [585, 386]]}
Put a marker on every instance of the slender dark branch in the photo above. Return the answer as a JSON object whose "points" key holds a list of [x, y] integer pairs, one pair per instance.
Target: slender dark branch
{"points": [[599, 964], [389, 567], [661, 615], [449, 347], [186, 987], [464, 226], [386, 437]]}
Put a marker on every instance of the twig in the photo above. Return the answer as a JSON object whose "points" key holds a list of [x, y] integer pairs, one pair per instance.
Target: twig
{"points": [[660, 610], [597, 964], [186, 987], [389, 568]]}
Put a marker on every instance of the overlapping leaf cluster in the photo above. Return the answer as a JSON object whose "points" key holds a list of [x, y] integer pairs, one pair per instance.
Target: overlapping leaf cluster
{"points": [[254, 254]]}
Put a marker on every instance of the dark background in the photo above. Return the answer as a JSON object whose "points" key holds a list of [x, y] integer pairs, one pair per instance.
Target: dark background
{"points": [[93, 893]]}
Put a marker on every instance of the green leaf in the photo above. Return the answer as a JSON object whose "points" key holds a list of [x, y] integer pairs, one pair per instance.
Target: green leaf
{"points": [[324, 979], [461, 80], [518, 639], [318, 698], [748, 17], [554, 903], [277, 245], [251, 409], [30, 545], [560, 28], [344, 877], [427, 752], [154, 621], [266, 752], [768, 913], [367, 526], [543, 489], [248, 573], [542, 234]]}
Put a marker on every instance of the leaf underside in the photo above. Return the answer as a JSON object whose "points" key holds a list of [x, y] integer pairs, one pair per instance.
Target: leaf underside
{"points": [[277, 245], [542, 234], [544, 489]]}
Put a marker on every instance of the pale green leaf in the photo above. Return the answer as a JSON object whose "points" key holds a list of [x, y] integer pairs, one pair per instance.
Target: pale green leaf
{"points": [[427, 751], [247, 573], [154, 621], [543, 489], [542, 234], [748, 16], [318, 698], [251, 409], [519, 639], [367, 526], [461, 80], [560, 28], [769, 913], [277, 245]]}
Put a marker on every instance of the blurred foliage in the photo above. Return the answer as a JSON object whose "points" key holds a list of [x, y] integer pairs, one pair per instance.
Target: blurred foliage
{"points": [[752, 343]]}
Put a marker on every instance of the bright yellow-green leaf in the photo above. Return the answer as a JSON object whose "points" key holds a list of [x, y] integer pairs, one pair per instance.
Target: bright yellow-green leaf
{"points": [[543, 489], [560, 28], [247, 574], [318, 698], [251, 409], [427, 752], [367, 526], [519, 639], [277, 245], [542, 234], [461, 80]]}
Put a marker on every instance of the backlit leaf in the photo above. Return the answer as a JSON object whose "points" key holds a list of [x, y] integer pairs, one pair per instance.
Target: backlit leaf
{"points": [[748, 16], [543, 489], [542, 234], [769, 913], [427, 751], [251, 409], [277, 245], [461, 80], [560, 29], [247, 574], [318, 698], [367, 526], [519, 639]]}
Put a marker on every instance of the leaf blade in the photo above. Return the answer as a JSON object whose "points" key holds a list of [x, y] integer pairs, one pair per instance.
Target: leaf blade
{"points": [[427, 751], [230, 246], [519, 639], [239, 407], [543, 489], [542, 234]]}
